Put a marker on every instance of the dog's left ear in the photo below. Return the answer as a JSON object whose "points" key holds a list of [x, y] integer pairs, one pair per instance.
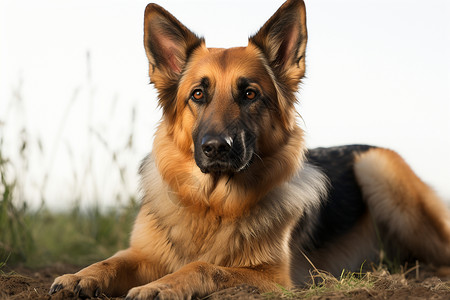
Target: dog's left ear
{"points": [[283, 38]]}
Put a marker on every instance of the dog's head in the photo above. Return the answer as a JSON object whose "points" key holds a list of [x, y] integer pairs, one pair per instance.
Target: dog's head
{"points": [[227, 108]]}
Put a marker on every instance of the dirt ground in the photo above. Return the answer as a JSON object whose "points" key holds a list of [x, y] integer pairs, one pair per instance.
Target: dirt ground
{"points": [[429, 283]]}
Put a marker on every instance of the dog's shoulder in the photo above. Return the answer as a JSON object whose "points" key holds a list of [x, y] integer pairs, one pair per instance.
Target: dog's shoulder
{"points": [[300, 196], [309, 186]]}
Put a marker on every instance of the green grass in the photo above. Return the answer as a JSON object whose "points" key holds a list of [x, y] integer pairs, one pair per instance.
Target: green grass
{"points": [[70, 237], [80, 237], [16, 239], [41, 237], [347, 282], [325, 284]]}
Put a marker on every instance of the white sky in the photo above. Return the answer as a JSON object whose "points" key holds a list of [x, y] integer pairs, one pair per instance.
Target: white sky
{"points": [[378, 72]]}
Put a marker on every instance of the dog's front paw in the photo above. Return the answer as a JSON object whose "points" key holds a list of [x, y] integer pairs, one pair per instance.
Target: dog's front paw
{"points": [[157, 290], [82, 286]]}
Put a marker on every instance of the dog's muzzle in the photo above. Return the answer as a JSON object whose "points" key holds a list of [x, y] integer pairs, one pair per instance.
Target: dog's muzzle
{"points": [[216, 147], [222, 154]]}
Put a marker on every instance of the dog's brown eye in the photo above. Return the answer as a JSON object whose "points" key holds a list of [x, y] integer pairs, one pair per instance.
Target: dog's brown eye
{"points": [[197, 95], [250, 94]]}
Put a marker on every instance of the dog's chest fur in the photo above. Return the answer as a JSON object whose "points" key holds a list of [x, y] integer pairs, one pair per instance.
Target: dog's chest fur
{"points": [[256, 238]]}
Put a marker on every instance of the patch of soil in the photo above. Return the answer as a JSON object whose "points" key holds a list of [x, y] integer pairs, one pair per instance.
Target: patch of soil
{"points": [[25, 283]]}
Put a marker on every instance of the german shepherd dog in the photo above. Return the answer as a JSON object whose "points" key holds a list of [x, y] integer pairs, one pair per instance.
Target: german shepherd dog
{"points": [[230, 193]]}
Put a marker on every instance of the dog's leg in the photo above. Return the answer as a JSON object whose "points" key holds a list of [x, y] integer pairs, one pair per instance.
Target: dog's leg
{"points": [[406, 208], [113, 276], [201, 279]]}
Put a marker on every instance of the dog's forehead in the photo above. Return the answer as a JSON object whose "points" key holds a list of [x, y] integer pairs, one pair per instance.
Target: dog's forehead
{"points": [[221, 64]]}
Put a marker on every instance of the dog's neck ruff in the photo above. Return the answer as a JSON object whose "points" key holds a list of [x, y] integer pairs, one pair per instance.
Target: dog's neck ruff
{"points": [[226, 196]]}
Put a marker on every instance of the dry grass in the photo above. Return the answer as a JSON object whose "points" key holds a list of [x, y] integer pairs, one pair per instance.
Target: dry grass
{"points": [[39, 236]]}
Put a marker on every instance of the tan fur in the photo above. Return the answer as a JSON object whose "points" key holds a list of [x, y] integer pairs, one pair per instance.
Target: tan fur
{"points": [[404, 205]]}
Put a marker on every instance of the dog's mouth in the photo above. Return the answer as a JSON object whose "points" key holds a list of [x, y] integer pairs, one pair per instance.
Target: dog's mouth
{"points": [[220, 154], [224, 167]]}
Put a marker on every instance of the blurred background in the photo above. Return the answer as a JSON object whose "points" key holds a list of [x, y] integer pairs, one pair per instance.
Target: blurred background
{"points": [[77, 113]]}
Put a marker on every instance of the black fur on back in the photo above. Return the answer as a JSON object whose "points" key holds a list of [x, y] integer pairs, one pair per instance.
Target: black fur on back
{"points": [[344, 205]]}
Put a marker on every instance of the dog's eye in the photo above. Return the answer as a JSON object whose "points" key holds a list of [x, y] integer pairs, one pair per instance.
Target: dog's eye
{"points": [[197, 95], [250, 94]]}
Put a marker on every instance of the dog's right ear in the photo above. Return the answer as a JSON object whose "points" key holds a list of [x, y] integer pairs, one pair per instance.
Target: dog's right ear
{"points": [[167, 42]]}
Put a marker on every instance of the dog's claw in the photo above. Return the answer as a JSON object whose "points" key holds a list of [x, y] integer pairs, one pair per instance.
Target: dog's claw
{"points": [[55, 288]]}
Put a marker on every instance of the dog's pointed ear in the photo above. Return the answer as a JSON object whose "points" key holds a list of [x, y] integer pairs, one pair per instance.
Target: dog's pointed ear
{"points": [[283, 38], [167, 42]]}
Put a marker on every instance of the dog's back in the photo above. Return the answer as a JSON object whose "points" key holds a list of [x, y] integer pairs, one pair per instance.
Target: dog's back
{"points": [[375, 206]]}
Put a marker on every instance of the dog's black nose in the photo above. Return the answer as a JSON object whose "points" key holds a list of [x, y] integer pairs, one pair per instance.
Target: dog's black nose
{"points": [[216, 146]]}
